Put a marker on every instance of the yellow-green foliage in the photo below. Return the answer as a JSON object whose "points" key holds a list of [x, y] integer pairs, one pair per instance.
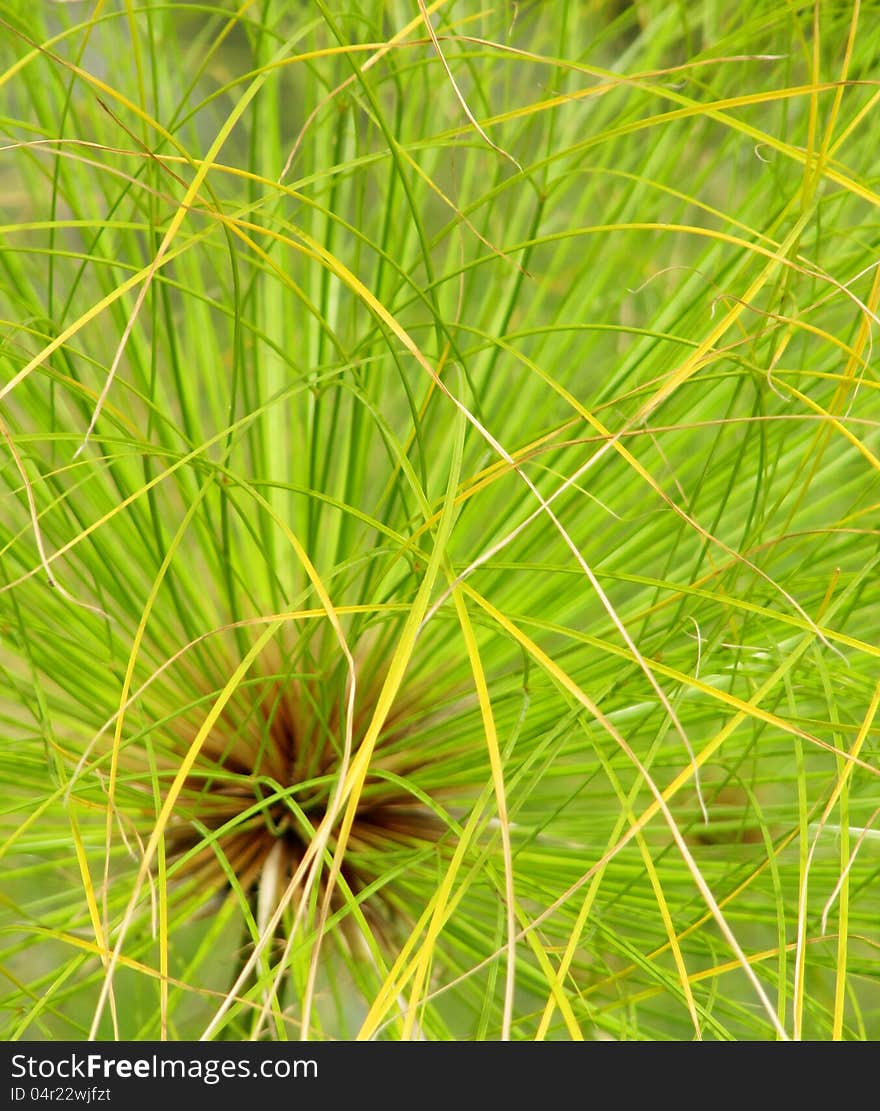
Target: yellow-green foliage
{"points": [[439, 519]]}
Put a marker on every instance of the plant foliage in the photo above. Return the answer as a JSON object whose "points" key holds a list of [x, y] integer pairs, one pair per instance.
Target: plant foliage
{"points": [[438, 519]]}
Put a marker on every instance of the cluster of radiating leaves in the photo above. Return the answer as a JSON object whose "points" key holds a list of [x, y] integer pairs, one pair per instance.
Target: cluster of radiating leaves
{"points": [[441, 442]]}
